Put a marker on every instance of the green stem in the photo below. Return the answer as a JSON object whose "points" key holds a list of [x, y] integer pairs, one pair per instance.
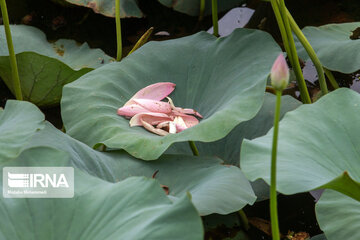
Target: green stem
{"points": [[305, 97], [244, 220], [331, 78], [215, 18], [310, 51], [202, 9], [118, 30], [13, 64], [273, 201], [281, 25], [194, 148]]}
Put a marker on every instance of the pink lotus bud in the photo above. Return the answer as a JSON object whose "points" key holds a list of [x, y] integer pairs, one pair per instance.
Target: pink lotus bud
{"points": [[280, 73]]}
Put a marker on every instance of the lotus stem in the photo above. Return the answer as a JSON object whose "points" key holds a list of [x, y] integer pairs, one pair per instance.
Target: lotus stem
{"points": [[281, 25], [144, 38], [215, 17], [244, 220], [202, 10], [194, 149], [118, 30], [331, 78], [310, 51], [285, 30], [273, 197], [13, 64]]}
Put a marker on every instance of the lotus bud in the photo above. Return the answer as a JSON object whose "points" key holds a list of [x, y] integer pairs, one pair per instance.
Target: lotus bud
{"points": [[280, 73]]}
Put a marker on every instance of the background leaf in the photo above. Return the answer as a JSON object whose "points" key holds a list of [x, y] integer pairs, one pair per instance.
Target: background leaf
{"points": [[317, 144], [214, 76], [228, 148], [208, 181], [128, 8], [99, 209], [18, 123], [338, 216], [45, 67], [334, 47]]}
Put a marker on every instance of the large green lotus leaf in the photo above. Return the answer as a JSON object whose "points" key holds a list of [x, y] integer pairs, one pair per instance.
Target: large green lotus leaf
{"points": [[209, 182], [44, 68], [128, 8], [136, 208], [338, 216], [18, 123], [214, 76], [334, 47], [192, 7], [317, 148], [228, 148]]}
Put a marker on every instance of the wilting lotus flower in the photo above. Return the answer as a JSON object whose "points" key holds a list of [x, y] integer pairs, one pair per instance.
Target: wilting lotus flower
{"points": [[162, 118], [280, 73]]}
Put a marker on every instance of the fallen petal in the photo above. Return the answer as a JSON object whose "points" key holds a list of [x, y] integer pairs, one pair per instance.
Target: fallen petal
{"points": [[151, 128], [163, 124], [180, 124], [188, 111], [183, 110], [131, 110], [190, 121], [172, 127], [157, 91], [154, 105], [149, 117]]}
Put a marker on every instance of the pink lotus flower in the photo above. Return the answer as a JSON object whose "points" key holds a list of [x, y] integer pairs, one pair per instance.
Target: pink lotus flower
{"points": [[280, 73], [147, 110]]}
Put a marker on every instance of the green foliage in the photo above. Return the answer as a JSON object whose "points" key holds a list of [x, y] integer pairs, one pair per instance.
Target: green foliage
{"points": [[317, 147], [216, 77], [128, 8], [334, 46], [210, 183], [228, 148], [18, 123], [338, 216], [99, 209], [44, 68]]}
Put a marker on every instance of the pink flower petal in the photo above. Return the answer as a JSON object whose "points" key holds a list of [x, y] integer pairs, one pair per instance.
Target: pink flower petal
{"points": [[183, 110], [188, 111], [190, 121], [151, 128], [131, 110], [157, 91], [163, 124], [154, 105], [150, 118]]}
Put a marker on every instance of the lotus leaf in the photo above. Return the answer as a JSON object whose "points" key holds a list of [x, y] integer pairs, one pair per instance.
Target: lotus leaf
{"points": [[99, 209], [214, 76], [335, 46], [317, 147], [45, 67]]}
